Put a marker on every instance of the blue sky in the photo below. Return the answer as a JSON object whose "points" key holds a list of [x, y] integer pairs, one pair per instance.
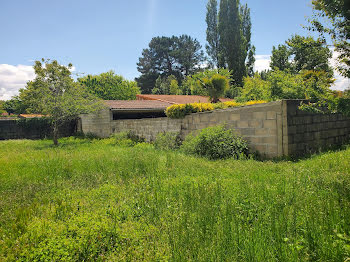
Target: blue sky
{"points": [[97, 36]]}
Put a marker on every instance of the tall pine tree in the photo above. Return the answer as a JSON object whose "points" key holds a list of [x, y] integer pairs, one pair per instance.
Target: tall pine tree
{"points": [[212, 46]]}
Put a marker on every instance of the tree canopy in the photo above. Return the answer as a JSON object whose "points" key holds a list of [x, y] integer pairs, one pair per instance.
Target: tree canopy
{"points": [[109, 86], [229, 38], [332, 17], [178, 56], [301, 53], [54, 93]]}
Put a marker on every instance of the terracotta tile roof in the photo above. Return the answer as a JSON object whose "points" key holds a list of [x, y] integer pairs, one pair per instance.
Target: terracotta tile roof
{"points": [[178, 99], [30, 115], [137, 104]]}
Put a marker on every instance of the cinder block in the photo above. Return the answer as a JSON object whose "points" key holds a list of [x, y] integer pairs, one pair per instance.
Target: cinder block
{"points": [[271, 115], [255, 123], [271, 140], [259, 115], [247, 131], [270, 124], [262, 131], [235, 117], [242, 124]]}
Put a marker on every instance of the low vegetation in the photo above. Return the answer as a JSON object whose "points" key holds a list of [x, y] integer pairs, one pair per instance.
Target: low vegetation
{"points": [[95, 200], [216, 142], [181, 110]]}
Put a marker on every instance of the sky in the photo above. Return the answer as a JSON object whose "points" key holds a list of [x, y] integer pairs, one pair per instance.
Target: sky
{"points": [[98, 36]]}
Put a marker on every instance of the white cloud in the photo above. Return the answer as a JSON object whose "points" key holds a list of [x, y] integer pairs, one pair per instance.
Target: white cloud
{"points": [[12, 78], [263, 63]]}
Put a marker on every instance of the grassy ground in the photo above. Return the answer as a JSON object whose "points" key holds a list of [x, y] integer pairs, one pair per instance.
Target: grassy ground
{"points": [[94, 200]]}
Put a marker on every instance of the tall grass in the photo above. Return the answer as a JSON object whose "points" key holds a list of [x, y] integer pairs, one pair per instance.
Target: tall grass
{"points": [[94, 200]]}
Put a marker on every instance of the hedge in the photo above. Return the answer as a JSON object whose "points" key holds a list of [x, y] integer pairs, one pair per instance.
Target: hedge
{"points": [[181, 110]]}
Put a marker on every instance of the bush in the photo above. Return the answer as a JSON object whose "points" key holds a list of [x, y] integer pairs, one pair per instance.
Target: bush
{"points": [[180, 111], [216, 143], [167, 141], [127, 139]]}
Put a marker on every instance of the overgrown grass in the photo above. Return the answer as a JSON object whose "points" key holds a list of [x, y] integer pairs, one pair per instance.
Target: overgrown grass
{"points": [[91, 200]]}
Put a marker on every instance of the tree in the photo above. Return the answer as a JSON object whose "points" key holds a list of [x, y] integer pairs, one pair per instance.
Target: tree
{"points": [[254, 88], [14, 106], [192, 85], [251, 61], [188, 55], [234, 30], [215, 86], [54, 93], [309, 54], [280, 58], [301, 53], [109, 86], [212, 46], [165, 56], [166, 86], [332, 17]]}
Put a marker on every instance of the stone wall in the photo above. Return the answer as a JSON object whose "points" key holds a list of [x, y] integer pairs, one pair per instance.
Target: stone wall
{"points": [[11, 129], [273, 129], [309, 132]]}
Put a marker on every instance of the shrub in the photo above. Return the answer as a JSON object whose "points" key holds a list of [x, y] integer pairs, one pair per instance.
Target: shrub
{"points": [[216, 143], [180, 111], [127, 139], [167, 141], [255, 102], [343, 106], [232, 104]]}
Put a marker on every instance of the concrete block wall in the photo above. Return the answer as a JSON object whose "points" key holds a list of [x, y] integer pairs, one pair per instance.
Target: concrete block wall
{"points": [[98, 124], [148, 128], [273, 129], [258, 124], [309, 132]]}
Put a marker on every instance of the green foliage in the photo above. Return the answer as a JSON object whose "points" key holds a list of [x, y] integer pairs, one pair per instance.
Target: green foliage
{"points": [[302, 53], [309, 54], [109, 86], [193, 85], [90, 200], [234, 28], [168, 141], [39, 123], [166, 56], [311, 85], [343, 105], [280, 58], [216, 86], [181, 110], [216, 143], [254, 89], [212, 46], [167, 86], [332, 18], [14, 106], [127, 139], [53, 92]]}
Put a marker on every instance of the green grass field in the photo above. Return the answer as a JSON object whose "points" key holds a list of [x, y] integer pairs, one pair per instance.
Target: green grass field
{"points": [[91, 200]]}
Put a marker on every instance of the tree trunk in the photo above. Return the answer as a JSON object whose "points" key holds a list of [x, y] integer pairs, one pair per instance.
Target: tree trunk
{"points": [[55, 134]]}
